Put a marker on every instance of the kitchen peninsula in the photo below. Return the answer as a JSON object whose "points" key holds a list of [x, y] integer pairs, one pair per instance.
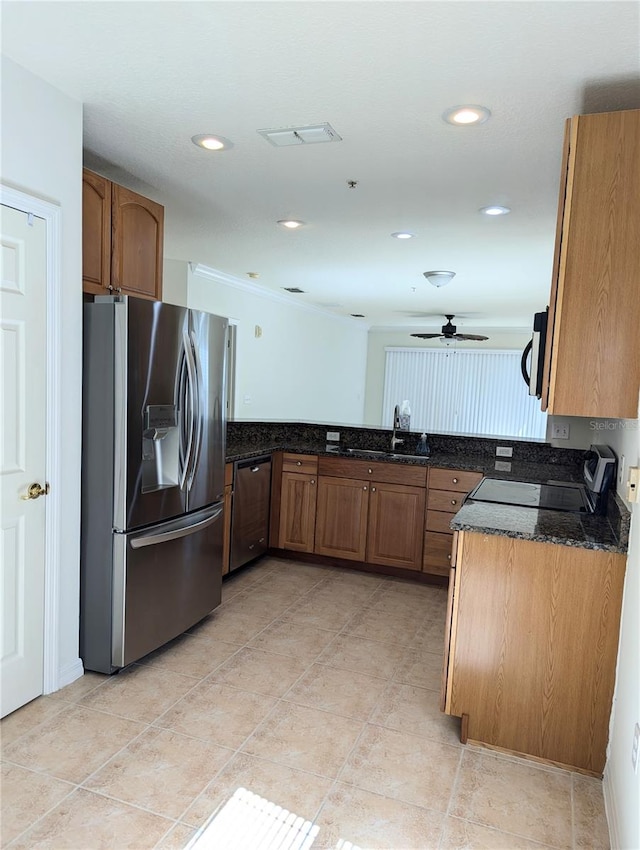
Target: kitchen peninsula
{"points": [[534, 595]]}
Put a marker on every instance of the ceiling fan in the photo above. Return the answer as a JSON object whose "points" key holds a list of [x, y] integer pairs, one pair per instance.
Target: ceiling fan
{"points": [[449, 332]]}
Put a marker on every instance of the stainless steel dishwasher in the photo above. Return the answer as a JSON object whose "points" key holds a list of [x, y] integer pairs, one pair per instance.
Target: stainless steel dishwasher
{"points": [[250, 517]]}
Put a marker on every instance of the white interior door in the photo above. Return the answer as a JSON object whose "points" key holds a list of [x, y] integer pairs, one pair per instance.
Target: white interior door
{"points": [[22, 454]]}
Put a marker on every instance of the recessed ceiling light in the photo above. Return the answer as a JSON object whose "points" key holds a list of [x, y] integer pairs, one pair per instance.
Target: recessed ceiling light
{"points": [[403, 234], [211, 143], [495, 210], [290, 223], [463, 115]]}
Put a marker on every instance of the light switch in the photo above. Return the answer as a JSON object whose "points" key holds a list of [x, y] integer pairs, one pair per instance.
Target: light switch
{"points": [[633, 484]]}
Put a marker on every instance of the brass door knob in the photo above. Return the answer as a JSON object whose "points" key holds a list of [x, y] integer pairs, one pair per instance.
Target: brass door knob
{"points": [[35, 491]]}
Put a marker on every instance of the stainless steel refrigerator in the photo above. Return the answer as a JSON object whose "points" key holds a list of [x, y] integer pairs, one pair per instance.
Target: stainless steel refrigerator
{"points": [[152, 475]]}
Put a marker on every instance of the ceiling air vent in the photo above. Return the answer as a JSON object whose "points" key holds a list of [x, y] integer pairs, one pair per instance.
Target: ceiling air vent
{"points": [[292, 289], [311, 135]]}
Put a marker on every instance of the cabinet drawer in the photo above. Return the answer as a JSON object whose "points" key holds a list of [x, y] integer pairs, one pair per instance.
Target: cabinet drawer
{"points": [[439, 521], [437, 553], [300, 463], [387, 473], [453, 479], [445, 500]]}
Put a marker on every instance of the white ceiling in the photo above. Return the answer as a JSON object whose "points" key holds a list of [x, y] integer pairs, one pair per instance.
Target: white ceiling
{"points": [[153, 74]]}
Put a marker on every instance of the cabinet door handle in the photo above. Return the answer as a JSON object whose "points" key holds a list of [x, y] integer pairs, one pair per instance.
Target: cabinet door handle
{"points": [[313, 481], [455, 480], [252, 546], [255, 469], [370, 471], [373, 489], [449, 557], [365, 487], [454, 501], [298, 463], [262, 541]]}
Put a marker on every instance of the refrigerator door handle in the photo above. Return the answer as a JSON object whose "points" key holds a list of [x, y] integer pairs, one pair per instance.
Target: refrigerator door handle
{"points": [[175, 533], [198, 410], [189, 403]]}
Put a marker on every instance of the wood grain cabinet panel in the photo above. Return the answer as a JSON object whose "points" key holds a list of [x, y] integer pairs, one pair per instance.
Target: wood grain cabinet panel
{"points": [[458, 480], [122, 240], [592, 364], [298, 499], [96, 233], [137, 242], [534, 637], [341, 518], [394, 535], [437, 553]]}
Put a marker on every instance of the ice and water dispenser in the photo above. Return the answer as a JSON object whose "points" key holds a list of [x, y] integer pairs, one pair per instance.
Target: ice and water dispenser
{"points": [[160, 447]]}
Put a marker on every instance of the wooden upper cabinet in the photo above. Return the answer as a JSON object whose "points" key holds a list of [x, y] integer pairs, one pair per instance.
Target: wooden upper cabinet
{"points": [[137, 242], [96, 233], [592, 365], [122, 240]]}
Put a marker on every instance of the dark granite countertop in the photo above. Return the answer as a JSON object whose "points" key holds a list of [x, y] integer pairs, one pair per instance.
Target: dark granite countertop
{"points": [[608, 533], [536, 464], [520, 469]]}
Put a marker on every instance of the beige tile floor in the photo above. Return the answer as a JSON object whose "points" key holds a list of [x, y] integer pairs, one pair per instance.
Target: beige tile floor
{"points": [[316, 690]]}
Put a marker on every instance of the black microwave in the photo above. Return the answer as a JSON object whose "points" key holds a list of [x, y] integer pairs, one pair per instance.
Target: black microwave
{"points": [[535, 347]]}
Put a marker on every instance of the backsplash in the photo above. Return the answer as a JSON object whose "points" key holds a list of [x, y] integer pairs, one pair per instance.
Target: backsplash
{"points": [[288, 433]]}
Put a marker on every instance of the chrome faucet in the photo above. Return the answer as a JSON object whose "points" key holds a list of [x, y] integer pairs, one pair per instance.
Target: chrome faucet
{"points": [[395, 441]]}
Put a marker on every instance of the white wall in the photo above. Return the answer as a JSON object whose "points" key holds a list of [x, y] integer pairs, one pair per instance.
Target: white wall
{"points": [[307, 365], [175, 282], [622, 785], [379, 340], [42, 156]]}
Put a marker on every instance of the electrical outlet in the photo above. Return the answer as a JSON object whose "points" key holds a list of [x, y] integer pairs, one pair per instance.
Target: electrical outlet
{"points": [[333, 436], [246, 399], [560, 431], [634, 748], [504, 451], [633, 484], [503, 465]]}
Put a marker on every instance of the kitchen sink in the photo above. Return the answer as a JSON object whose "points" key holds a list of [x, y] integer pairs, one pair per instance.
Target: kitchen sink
{"points": [[378, 453], [366, 452]]}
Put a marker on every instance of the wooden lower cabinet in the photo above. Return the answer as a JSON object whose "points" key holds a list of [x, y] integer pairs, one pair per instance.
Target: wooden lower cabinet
{"points": [[341, 518], [298, 511], [447, 490], [437, 553], [533, 643], [394, 529]]}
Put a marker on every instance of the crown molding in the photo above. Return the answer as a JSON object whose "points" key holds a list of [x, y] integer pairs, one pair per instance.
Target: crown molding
{"points": [[255, 289]]}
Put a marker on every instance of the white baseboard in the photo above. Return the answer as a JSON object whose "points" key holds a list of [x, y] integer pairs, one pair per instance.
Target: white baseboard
{"points": [[611, 810], [69, 673]]}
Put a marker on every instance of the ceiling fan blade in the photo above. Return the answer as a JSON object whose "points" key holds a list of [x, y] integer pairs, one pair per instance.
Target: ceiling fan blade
{"points": [[470, 336], [427, 336]]}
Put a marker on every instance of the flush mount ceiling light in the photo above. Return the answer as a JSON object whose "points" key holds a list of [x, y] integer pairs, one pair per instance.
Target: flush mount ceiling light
{"points": [[308, 135], [439, 278], [211, 143], [403, 234], [466, 115], [495, 210], [290, 223]]}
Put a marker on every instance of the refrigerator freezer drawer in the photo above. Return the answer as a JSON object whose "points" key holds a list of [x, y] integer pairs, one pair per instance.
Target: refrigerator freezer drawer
{"points": [[165, 579]]}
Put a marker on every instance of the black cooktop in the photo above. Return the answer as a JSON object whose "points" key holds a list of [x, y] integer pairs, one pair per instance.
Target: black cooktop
{"points": [[553, 495]]}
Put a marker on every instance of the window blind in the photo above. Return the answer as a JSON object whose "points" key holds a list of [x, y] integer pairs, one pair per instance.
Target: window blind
{"points": [[464, 392]]}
